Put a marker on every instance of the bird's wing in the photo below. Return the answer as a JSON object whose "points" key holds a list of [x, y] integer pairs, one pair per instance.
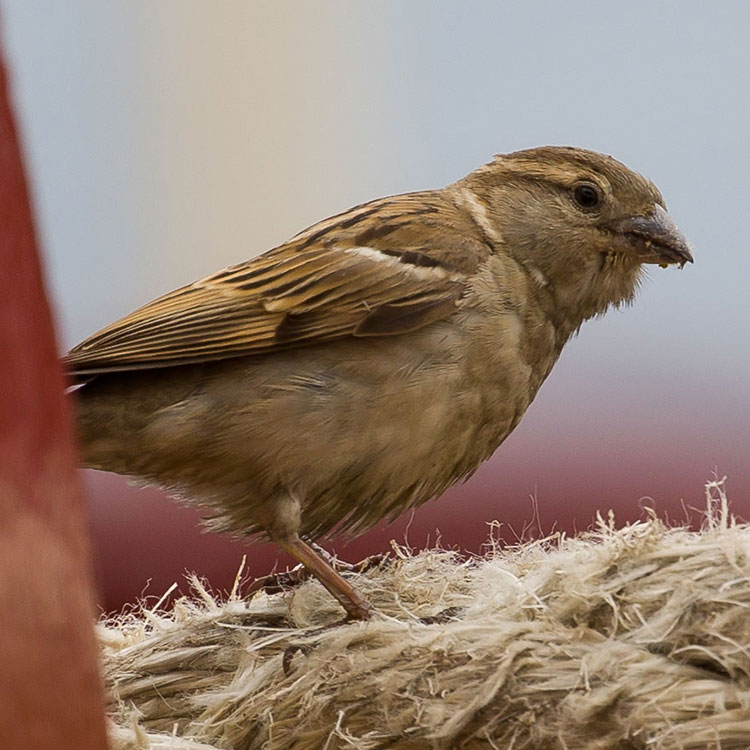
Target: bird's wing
{"points": [[379, 269]]}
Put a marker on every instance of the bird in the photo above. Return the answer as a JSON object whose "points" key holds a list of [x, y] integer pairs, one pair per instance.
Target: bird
{"points": [[373, 360]]}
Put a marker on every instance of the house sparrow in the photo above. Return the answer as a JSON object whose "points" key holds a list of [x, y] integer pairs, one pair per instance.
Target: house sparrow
{"points": [[376, 358]]}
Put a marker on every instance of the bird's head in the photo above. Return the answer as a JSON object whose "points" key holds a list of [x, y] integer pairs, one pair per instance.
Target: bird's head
{"points": [[582, 223]]}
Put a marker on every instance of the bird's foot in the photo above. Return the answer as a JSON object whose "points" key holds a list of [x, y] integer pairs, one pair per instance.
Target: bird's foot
{"points": [[275, 583], [278, 582], [368, 563]]}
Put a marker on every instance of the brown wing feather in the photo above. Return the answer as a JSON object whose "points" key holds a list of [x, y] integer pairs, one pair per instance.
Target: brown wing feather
{"points": [[321, 285]]}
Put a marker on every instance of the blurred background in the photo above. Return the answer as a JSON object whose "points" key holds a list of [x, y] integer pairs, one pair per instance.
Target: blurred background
{"points": [[168, 140]]}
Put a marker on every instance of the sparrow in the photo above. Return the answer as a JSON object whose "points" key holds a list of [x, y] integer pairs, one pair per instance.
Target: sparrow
{"points": [[376, 358]]}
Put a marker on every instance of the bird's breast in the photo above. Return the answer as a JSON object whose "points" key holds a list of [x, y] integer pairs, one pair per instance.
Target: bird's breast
{"points": [[370, 430]]}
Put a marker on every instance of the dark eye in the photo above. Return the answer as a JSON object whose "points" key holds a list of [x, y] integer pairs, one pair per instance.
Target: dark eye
{"points": [[587, 195]]}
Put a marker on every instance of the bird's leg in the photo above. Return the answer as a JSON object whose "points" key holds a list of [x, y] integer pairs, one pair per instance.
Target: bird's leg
{"points": [[356, 606]]}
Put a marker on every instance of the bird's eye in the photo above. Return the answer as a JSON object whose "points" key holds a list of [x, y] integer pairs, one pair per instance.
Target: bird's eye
{"points": [[587, 195]]}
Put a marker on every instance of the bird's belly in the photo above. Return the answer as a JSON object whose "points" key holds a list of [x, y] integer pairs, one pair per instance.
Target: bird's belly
{"points": [[355, 430], [359, 432]]}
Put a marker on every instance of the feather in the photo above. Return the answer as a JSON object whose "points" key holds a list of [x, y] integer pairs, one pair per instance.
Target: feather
{"points": [[322, 285]]}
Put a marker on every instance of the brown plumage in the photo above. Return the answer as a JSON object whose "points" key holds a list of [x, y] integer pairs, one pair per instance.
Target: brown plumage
{"points": [[377, 357]]}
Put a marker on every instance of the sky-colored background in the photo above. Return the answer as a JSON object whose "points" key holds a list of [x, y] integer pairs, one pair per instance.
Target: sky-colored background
{"points": [[169, 139]]}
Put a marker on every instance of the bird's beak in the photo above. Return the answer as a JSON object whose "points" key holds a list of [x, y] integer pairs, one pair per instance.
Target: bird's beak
{"points": [[654, 238]]}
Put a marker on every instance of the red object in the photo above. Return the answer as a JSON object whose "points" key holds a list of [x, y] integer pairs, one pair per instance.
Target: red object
{"points": [[50, 689]]}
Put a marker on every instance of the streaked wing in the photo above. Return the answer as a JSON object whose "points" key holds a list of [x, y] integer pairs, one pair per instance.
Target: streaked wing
{"points": [[322, 285]]}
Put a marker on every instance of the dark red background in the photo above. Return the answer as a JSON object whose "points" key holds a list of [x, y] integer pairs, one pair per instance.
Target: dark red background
{"points": [[577, 452]]}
